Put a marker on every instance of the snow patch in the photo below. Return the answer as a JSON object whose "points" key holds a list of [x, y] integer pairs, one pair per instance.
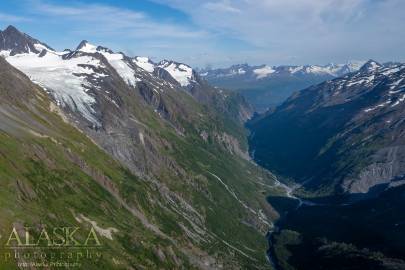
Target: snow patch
{"points": [[39, 47], [263, 72], [401, 99], [5, 53], [241, 71], [378, 106], [391, 70], [64, 79], [396, 83], [181, 73], [118, 62], [361, 80], [144, 63], [373, 65], [88, 48], [295, 69]]}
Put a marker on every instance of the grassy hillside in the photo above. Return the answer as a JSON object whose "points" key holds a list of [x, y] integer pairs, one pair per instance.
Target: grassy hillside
{"points": [[204, 207]]}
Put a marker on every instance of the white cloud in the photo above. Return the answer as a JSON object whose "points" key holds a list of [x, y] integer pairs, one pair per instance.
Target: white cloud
{"points": [[305, 31], [12, 18], [121, 29], [222, 32], [264, 21], [222, 6], [100, 20]]}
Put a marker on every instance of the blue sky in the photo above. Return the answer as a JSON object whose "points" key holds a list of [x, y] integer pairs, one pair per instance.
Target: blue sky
{"points": [[220, 32]]}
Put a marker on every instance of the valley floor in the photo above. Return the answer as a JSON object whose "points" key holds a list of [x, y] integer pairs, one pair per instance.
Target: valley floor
{"points": [[359, 235]]}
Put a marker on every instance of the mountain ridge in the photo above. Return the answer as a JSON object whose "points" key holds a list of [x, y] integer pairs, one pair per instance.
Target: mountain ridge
{"points": [[185, 177], [17, 42], [263, 71], [368, 101]]}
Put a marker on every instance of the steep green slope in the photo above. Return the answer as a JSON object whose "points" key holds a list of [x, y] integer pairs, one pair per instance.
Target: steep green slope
{"points": [[53, 176], [191, 201]]}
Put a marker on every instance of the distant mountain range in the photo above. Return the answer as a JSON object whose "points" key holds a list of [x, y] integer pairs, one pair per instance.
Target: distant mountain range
{"points": [[267, 86], [265, 71]]}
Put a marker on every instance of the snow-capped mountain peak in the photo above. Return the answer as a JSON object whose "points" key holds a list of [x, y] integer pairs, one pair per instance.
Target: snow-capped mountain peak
{"points": [[77, 79], [370, 65], [71, 77], [15, 42], [354, 65], [265, 71], [182, 73], [390, 80], [144, 63], [86, 47]]}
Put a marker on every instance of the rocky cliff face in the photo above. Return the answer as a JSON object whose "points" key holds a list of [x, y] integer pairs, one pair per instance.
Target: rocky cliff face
{"points": [[15, 42], [341, 136]]}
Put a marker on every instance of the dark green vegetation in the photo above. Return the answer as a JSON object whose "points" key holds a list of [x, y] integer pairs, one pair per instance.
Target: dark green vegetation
{"points": [[366, 235]]}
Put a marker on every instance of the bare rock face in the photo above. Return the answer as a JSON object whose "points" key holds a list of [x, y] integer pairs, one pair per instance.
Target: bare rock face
{"points": [[16, 42], [387, 169], [232, 145]]}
